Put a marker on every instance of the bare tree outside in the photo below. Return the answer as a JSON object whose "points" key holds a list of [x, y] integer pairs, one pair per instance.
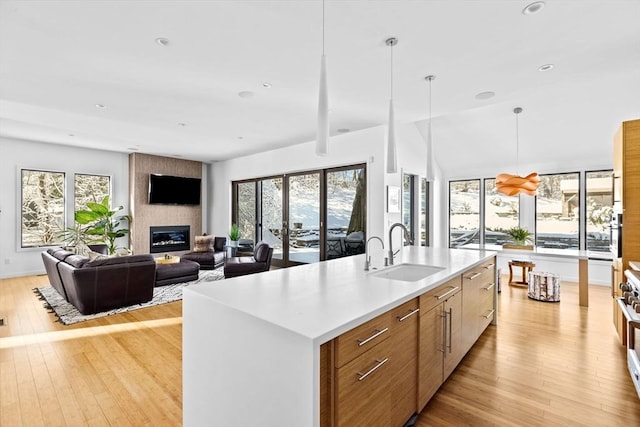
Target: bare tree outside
{"points": [[42, 208], [90, 188]]}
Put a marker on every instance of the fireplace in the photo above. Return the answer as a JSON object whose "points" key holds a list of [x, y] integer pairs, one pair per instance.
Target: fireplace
{"points": [[169, 238]]}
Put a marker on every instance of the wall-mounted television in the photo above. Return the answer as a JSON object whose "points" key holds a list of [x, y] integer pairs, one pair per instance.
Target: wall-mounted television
{"points": [[173, 190]]}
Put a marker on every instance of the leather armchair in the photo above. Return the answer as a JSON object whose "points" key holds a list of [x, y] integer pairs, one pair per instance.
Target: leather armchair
{"points": [[259, 262], [211, 258]]}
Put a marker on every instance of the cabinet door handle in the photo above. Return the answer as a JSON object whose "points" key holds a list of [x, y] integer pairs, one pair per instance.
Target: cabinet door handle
{"points": [[362, 376], [450, 313], [488, 288], [443, 315], [374, 336], [473, 276], [489, 314], [449, 292], [487, 267], [406, 316]]}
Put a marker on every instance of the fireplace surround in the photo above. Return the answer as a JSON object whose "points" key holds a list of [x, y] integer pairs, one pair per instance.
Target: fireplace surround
{"points": [[169, 238]]}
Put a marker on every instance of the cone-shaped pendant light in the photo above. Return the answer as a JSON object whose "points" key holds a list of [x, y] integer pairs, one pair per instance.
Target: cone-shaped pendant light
{"points": [[322, 135], [392, 160], [430, 162], [510, 185]]}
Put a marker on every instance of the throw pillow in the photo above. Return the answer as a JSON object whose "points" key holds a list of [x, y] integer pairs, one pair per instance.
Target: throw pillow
{"points": [[203, 244]]}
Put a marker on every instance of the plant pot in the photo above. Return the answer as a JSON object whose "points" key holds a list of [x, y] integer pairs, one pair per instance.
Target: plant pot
{"points": [[233, 243], [517, 246]]}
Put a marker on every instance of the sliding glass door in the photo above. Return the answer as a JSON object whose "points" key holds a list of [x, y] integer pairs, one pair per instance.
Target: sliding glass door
{"points": [[303, 197], [306, 217]]}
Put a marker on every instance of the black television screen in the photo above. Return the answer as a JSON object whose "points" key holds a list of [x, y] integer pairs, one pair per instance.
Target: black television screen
{"points": [[173, 190]]}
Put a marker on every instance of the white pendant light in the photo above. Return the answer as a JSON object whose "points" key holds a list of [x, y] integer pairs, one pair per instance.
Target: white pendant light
{"points": [[392, 160], [430, 163], [322, 135]]}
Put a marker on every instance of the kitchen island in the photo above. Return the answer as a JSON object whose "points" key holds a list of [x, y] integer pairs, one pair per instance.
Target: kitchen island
{"points": [[252, 344]]}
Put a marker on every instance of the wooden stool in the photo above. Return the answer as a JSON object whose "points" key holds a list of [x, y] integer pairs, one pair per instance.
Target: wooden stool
{"points": [[526, 266]]}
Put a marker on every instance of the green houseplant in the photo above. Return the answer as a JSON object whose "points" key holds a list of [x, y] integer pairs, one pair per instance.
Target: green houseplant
{"points": [[234, 235], [519, 235], [102, 222]]}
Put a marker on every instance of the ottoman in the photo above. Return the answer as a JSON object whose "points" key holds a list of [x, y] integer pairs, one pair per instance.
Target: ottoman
{"points": [[179, 272], [544, 286]]}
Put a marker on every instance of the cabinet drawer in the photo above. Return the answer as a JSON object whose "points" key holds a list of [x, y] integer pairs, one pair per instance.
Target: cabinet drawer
{"points": [[353, 343], [439, 294], [404, 314], [362, 387]]}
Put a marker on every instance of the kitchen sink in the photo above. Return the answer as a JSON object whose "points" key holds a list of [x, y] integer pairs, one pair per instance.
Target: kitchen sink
{"points": [[407, 272]]}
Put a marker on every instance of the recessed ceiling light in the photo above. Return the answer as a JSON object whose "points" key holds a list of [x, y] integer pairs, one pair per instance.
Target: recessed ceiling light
{"points": [[162, 41], [485, 95], [343, 130], [266, 84], [246, 94], [241, 137], [132, 149], [546, 67], [182, 124], [71, 134], [534, 7], [100, 106]]}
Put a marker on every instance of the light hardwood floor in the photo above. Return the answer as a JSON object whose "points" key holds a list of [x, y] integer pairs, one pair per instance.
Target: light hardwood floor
{"points": [[545, 364]]}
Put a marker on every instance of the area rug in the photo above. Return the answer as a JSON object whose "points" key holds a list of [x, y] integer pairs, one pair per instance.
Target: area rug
{"points": [[68, 314]]}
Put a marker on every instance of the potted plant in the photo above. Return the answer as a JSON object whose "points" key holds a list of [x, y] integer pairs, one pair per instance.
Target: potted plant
{"points": [[520, 237], [103, 223], [234, 236]]}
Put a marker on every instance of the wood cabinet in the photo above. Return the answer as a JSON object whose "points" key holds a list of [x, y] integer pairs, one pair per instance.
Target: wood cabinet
{"points": [[617, 277], [382, 372], [478, 301], [404, 361], [362, 373], [626, 189], [440, 339]]}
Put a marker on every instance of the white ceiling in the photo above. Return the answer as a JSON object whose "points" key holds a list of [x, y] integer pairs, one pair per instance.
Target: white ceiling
{"points": [[58, 59]]}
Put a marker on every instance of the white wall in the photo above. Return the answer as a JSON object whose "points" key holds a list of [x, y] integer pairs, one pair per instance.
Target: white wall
{"points": [[365, 146], [19, 154]]}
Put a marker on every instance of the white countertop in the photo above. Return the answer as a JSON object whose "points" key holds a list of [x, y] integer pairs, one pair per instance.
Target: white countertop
{"points": [[322, 300], [548, 252]]}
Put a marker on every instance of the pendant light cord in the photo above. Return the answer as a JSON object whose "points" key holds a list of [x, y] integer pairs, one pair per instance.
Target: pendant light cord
{"points": [[391, 71], [323, 27], [517, 146]]}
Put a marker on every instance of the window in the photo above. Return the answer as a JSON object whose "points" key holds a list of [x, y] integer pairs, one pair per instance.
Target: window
{"points": [[464, 212], [42, 208], [558, 211], [408, 195], [501, 213], [245, 202], [90, 188], [599, 209], [424, 212]]}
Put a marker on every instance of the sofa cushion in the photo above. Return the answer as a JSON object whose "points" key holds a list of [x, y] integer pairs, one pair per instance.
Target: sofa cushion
{"points": [[261, 252], [203, 244], [218, 244], [78, 261], [115, 260], [59, 253]]}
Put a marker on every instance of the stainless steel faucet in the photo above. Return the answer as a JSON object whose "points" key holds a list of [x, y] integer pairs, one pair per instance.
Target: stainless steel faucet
{"points": [[406, 237], [367, 258]]}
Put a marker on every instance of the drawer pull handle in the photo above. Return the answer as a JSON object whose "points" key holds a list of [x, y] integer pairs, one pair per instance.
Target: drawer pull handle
{"points": [[488, 288], [487, 267], [489, 314], [473, 276], [374, 336], [406, 316], [449, 292], [362, 376]]}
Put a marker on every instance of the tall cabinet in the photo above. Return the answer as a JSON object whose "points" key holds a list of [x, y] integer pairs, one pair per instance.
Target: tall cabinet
{"points": [[626, 199]]}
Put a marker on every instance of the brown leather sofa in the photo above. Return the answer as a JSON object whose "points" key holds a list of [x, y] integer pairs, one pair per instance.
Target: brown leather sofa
{"points": [[102, 284], [260, 261]]}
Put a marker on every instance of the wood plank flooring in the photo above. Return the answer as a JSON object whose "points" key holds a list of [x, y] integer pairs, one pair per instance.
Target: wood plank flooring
{"points": [[545, 364]]}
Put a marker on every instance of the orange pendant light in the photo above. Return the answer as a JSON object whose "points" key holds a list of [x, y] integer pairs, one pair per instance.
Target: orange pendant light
{"points": [[511, 185]]}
